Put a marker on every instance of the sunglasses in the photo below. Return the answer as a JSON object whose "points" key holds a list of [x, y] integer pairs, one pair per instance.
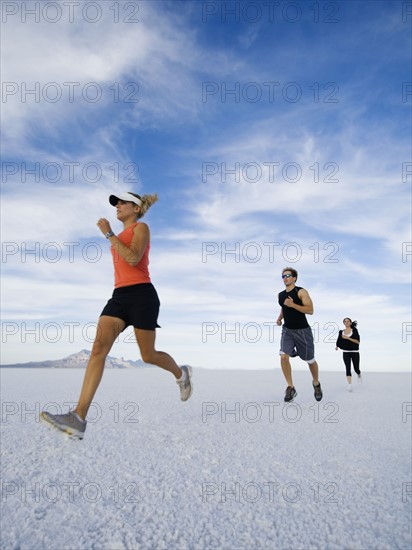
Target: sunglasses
{"points": [[287, 276]]}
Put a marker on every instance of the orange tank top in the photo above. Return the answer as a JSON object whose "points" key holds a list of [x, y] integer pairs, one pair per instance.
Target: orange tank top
{"points": [[124, 273]]}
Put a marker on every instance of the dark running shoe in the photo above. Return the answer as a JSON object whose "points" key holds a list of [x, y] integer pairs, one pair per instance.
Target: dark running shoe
{"points": [[69, 423], [318, 391], [290, 394]]}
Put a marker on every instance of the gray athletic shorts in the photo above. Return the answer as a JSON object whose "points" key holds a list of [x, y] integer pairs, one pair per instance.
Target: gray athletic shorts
{"points": [[298, 340]]}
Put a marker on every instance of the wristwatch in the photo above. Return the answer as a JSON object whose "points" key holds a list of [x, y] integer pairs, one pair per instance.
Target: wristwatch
{"points": [[109, 234]]}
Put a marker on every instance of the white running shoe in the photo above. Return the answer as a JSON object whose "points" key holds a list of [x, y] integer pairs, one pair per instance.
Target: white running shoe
{"points": [[185, 383], [359, 379], [350, 387]]}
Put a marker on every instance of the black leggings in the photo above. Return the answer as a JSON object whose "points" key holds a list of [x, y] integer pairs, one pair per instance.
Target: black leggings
{"points": [[355, 357]]}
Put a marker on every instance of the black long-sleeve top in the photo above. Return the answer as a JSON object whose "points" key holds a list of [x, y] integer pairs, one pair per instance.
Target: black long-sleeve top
{"points": [[347, 345]]}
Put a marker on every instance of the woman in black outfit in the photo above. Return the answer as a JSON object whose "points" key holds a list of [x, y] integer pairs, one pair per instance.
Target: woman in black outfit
{"points": [[348, 341]]}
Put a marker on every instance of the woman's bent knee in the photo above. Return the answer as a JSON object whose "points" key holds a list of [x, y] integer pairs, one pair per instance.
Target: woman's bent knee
{"points": [[100, 349], [149, 357]]}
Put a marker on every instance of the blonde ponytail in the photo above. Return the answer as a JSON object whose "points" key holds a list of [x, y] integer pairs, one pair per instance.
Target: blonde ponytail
{"points": [[147, 202]]}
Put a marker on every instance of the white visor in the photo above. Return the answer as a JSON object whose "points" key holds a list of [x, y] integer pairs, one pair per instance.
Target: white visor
{"points": [[128, 197]]}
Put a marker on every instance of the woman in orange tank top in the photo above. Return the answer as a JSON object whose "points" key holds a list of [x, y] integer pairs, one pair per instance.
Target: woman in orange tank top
{"points": [[134, 302]]}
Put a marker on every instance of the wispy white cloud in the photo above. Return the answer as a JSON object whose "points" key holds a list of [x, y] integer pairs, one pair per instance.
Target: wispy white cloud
{"points": [[357, 141]]}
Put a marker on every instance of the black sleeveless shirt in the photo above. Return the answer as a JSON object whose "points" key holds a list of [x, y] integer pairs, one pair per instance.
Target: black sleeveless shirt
{"points": [[292, 318]]}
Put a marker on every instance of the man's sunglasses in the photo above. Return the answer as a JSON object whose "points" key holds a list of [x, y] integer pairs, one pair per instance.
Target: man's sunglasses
{"points": [[287, 276]]}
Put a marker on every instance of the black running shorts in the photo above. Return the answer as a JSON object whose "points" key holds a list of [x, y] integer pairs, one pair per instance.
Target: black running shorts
{"points": [[137, 305]]}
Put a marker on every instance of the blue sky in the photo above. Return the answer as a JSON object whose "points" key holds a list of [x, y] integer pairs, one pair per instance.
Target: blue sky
{"points": [[274, 134]]}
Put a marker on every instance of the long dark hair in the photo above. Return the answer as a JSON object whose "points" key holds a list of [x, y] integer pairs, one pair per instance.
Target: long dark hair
{"points": [[353, 324]]}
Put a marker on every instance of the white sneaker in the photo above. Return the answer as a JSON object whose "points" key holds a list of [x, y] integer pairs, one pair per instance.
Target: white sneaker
{"points": [[350, 387], [359, 379], [185, 383]]}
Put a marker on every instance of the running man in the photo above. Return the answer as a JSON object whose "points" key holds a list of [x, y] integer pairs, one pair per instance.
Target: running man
{"points": [[297, 337]]}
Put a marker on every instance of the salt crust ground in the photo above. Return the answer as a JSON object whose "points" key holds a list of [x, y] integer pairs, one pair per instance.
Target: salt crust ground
{"points": [[233, 468]]}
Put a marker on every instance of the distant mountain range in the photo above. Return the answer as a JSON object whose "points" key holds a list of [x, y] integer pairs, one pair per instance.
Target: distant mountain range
{"points": [[78, 361]]}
